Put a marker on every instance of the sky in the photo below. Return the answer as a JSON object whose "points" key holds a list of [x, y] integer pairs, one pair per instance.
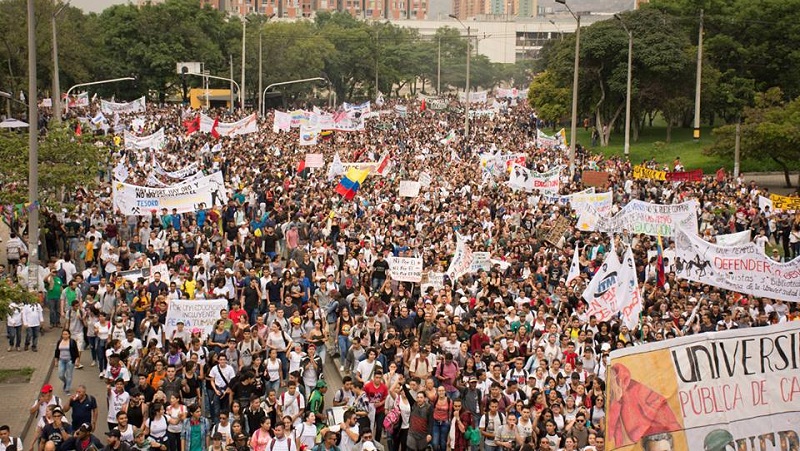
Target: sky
{"points": [[95, 6]]}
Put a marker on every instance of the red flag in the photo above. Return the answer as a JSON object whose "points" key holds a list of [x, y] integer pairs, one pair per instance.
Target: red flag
{"points": [[422, 106], [192, 125], [214, 131], [383, 164], [301, 166], [78, 131]]}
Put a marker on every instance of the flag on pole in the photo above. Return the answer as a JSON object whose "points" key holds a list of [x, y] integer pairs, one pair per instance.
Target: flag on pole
{"points": [[336, 168], [352, 180], [661, 277], [78, 130], [563, 134], [214, 131], [192, 125], [383, 164], [449, 138], [575, 267]]}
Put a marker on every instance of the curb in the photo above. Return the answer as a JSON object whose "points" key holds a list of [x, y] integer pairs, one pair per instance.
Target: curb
{"points": [[29, 422]]}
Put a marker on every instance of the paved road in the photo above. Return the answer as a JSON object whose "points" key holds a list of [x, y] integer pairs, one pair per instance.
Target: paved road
{"points": [[88, 376]]}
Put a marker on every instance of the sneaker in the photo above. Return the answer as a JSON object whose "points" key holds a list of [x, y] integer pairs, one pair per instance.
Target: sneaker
{"points": [[35, 350], [100, 376], [93, 364], [10, 349], [26, 347], [18, 350], [341, 368], [79, 367]]}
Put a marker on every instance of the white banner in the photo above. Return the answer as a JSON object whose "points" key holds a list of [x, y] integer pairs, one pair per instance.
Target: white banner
{"points": [[474, 97], [356, 111], [733, 239], [462, 260], [743, 268], [719, 391], [600, 202], [243, 126], [308, 135], [405, 269], [78, 100], [183, 173], [602, 293], [651, 219], [135, 274], [199, 313], [336, 167], [503, 93], [480, 260], [282, 122], [315, 160], [156, 141], [630, 296], [432, 279], [121, 172], [764, 203], [137, 106], [424, 179], [187, 197], [482, 113], [409, 188], [522, 178]]}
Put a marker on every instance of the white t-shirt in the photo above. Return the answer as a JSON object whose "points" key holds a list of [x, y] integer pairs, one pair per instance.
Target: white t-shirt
{"points": [[115, 403], [493, 425], [291, 404], [346, 444]]}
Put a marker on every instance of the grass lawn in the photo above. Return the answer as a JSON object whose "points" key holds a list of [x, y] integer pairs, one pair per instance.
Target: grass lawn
{"points": [[652, 144], [16, 376]]}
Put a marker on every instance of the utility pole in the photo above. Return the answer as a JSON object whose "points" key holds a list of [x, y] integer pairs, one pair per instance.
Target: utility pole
{"points": [[439, 69], [244, 42], [466, 97], [56, 96], [231, 84], [696, 132], [260, 67], [33, 153], [737, 147]]}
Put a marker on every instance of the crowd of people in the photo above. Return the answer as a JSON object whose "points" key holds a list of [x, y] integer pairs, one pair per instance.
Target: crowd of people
{"points": [[506, 359]]}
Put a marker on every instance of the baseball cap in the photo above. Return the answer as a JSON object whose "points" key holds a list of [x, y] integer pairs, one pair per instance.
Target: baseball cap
{"points": [[114, 433], [47, 388], [58, 410], [85, 427]]}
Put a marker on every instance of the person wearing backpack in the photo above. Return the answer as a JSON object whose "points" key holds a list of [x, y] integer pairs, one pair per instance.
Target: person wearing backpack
{"points": [[490, 423], [9, 443]]}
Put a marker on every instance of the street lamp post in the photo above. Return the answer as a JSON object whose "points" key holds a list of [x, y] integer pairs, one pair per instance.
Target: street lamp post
{"points": [[56, 96], [628, 87], [574, 129], [439, 68], [33, 152], [261, 62], [218, 78], [466, 92], [92, 83], [290, 82], [698, 80], [560, 33], [244, 41]]}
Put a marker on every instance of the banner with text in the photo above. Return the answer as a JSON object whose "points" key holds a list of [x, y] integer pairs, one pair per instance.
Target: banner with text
{"points": [[743, 268], [716, 391], [243, 126], [474, 97], [462, 260], [199, 313], [651, 219], [156, 141], [137, 106], [689, 176], [405, 269], [199, 194], [524, 179], [641, 172], [409, 188], [785, 203]]}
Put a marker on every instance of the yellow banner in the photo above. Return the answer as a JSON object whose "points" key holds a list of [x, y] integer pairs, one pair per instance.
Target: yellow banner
{"points": [[641, 172], [784, 203]]}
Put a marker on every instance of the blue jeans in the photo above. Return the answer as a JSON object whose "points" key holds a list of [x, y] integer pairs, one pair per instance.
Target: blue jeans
{"points": [[55, 311], [284, 365], [93, 347], [440, 431], [65, 369], [32, 337], [344, 346], [276, 385], [14, 336], [101, 353]]}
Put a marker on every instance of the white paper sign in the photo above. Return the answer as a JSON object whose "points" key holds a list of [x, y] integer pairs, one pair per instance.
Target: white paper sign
{"points": [[315, 160], [409, 188], [432, 279], [462, 260], [480, 260], [405, 269], [156, 141], [424, 179], [199, 313]]}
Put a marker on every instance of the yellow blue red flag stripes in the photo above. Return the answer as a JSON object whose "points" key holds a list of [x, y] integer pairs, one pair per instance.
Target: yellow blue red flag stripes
{"points": [[351, 181]]}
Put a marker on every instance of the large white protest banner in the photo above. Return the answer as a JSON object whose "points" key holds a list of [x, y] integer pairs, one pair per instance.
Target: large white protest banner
{"points": [[243, 126], [480, 260], [462, 260], [77, 100], [135, 274], [600, 202], [502, 93], [137, 106], [199, 313], [524, 179], [308, 135], [764, 203], [121, 172], [602, 293], [356, 111], [718, 391], [156, 141], [733, 239], [405, 269], [282, 122], [630, 296], [409, 188], [643, 217], [743, 268], [474, 97], [182, 173], [187, 197], [315, 160]]}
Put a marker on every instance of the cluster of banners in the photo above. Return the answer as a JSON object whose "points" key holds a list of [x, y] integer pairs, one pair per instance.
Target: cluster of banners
{"points": [[643, 217], [642, 172], [405, 269], [202, 193], [510, 93], [137, 106], [155, 141], [474, 97], [243, 126], [720, 391], [742, 268], [522, 178], [614, 290], [312, 123], [78, 100], [194, 313]]}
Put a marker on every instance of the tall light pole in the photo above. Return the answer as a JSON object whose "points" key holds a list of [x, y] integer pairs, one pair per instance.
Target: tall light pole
{"points": [[92, 83], [56, 96], [574, 129], [439, 68], [560, 33], [33, 152], [261, 62], [628, 88], [696, 132], [207, 76], [291, 82], [466, 92], [244, 42]]}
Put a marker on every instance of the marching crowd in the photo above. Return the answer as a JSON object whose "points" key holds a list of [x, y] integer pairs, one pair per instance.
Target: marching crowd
{"points": [[506, 359]]}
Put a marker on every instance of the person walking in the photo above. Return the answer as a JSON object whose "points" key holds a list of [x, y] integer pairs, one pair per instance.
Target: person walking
{"points": [[32, 318], [66, 353], [14, 326]]}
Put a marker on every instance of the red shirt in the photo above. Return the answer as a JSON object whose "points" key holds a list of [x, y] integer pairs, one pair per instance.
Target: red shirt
{"points": [[235, 314], [477, 341], [376, 395]]}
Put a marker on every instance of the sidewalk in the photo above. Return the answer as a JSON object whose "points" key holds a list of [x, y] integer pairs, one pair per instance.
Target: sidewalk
{"points": [[18, 398]]}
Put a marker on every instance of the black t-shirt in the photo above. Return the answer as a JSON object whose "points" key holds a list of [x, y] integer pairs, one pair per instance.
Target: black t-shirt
{"points": [[49, 432], [250, 298], [379, 269], [82, 410]]}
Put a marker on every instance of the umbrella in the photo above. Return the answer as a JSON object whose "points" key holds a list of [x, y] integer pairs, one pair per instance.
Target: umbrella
{"points": [[13, 123]]}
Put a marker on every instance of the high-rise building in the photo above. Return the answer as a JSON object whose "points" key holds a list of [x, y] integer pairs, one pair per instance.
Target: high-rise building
{"points": [[464, 9]]}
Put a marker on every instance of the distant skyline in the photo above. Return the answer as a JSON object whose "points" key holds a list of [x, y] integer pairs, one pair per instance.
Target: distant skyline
{"points": [[95, 6]]}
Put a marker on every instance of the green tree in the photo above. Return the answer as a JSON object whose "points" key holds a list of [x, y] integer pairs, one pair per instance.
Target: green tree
{"points": [[770, 129], [550, 100], [12, 292]]}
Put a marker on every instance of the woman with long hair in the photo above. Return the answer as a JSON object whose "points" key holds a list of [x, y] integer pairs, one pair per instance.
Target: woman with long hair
{"points": [[318, 336], [156, 426], [176, 413], [261, 436], [343, 325], [66, 354], [273, 371]]}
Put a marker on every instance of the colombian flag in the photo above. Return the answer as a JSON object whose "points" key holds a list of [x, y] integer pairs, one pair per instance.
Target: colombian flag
{"points": [[661, 277], [351, 181]]}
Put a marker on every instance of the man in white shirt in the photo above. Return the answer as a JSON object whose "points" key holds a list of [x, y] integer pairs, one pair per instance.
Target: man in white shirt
{"points": [[280, 442], [220, 376], [349, 430], [32, 317], [291, 403], [367, 367]]}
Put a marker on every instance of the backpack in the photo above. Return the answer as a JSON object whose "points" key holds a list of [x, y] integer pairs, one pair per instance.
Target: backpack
{"points": [[486, 419], [393, 418], [15, 444], [297, 398], [288, 444]]}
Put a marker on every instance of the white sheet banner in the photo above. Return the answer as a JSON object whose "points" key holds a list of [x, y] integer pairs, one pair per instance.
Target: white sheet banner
{"points": [[243, 126], [512, 93], [524, 179], [733, 239], [135, 274], [196, 195], [600, 202], [651, 219], [308, 135], [432, 279], [409, 188], [630, 296], [424, 179], [405, 269], [315, 160], [480, 260], [565, 198], [357, 110], [602, 293], [137, 106], [462, 260], [490, 114], [156, 141], [764, 203], [121, 171], [743, 268], [282, 122], [474, 97], [199, 313], [185, 172], [79, 100]]}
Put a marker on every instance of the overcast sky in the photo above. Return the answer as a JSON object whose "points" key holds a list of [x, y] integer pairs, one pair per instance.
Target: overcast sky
{"points": [[95, 5]]}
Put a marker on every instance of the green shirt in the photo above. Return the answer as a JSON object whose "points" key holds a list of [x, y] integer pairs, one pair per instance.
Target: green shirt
{"points": [[196, 442], [54, 292]]}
